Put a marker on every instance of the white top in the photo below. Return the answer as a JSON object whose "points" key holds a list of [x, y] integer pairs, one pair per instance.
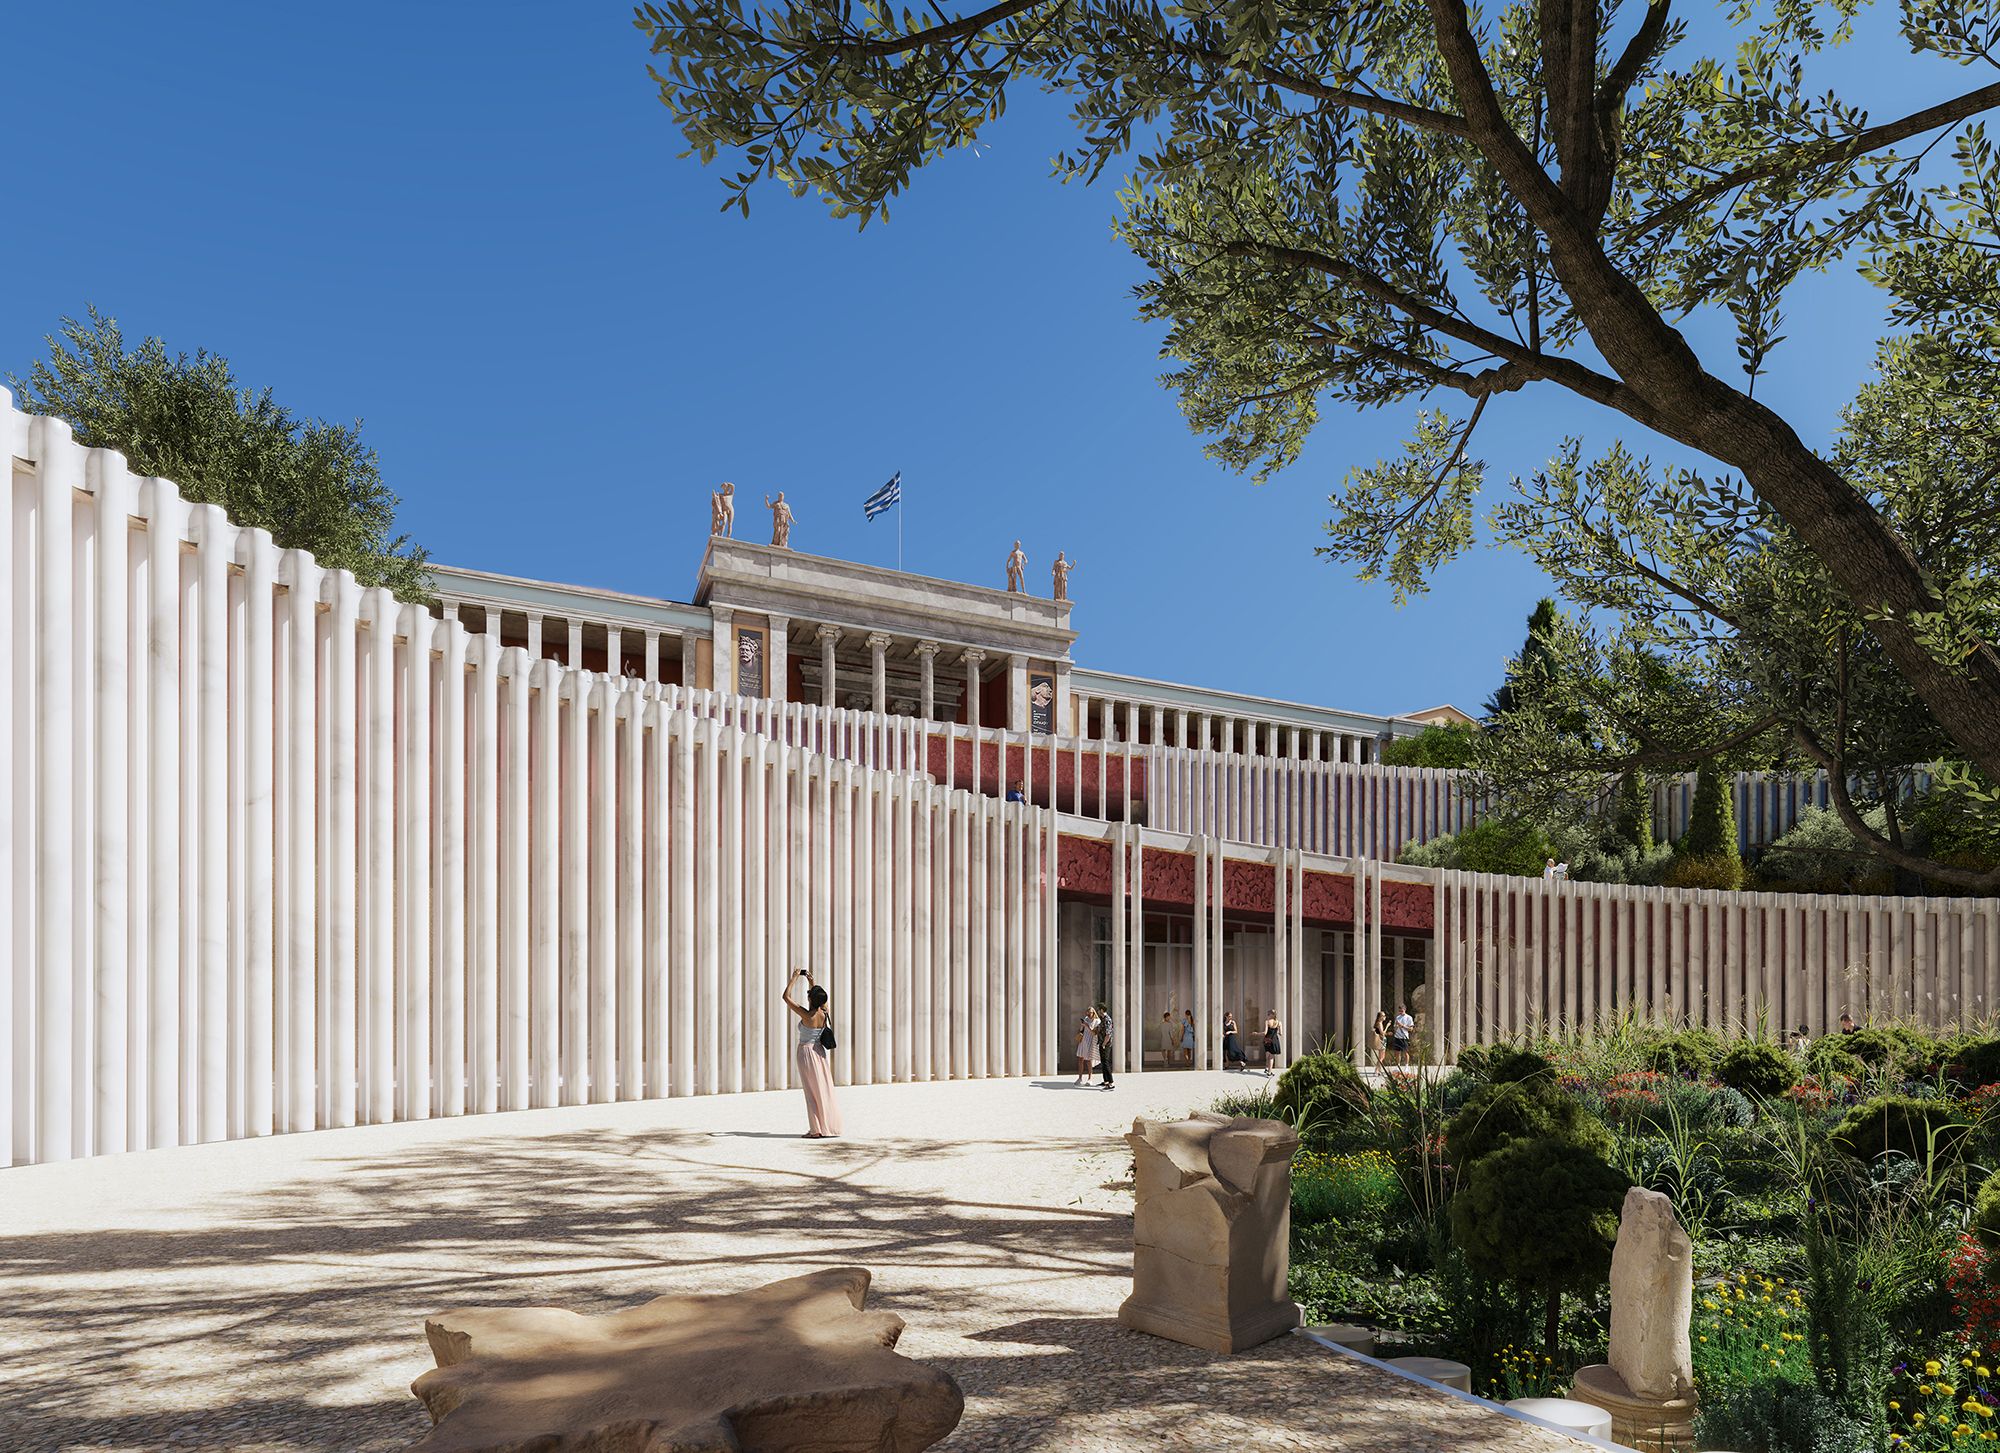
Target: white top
{"points": [[1405, 1024], [807, 1034]]}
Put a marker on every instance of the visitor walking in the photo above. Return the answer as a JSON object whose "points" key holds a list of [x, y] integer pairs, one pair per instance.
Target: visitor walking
{"points": [[1232, 1043], [1400, 1030], [1187, 1036], [1086, 1046], [1378, 1040], [1104, 1043], [1168, 1040], [815, 1073], [1274, 1043]]}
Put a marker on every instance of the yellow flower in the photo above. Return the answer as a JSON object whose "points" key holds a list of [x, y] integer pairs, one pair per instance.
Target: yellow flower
{"points": [[1985, 1372], [1931, 1368], [1894, 1406]]}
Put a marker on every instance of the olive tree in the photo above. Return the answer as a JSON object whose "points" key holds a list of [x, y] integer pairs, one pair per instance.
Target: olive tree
{"points": [[1412, 200]]}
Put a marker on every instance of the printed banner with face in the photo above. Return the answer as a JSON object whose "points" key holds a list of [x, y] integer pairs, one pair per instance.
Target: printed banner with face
{"points": [[1042, 704]]}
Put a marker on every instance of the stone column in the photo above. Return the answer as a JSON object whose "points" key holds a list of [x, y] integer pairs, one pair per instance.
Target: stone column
{"points": [[778, 666], [829, 637], [1204, 739], [1159, 726], [1017, 693], [1313, 739], [575, 661], [451, 610], [653, 656], [1082, 717], [1292, 745], [927, 671], [973, 659], [1062, 695], [1181, 727], [878, 667], [722, 667], [688, 645], [534, 635], [614, 648]]}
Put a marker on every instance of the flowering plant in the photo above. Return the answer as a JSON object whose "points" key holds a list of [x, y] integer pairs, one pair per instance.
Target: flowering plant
{"points": [[1748, 1328], [1942, 1403], [1522, 1372], [1968, 1274]]}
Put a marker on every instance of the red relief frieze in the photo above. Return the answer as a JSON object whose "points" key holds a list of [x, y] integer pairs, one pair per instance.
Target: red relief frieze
{"points": [[1249, 887], [1329, 898], [1083, 866], [1169, 877], [1408, 906]]}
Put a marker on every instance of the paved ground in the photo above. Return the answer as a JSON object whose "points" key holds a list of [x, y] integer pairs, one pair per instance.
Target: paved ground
{"points": [[270, 1295]]}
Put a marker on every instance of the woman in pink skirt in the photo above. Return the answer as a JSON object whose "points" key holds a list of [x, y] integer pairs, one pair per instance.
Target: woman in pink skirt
{"points": [[815, 1075]]}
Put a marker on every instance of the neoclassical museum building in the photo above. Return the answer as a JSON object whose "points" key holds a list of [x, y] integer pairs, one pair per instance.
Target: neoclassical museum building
{"points": [[765, 621]]}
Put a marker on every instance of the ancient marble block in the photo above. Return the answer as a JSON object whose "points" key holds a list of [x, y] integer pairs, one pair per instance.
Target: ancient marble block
{"points": [[1647, 1380], [1652, 1297], [795, 1364], [1210, 1238]]}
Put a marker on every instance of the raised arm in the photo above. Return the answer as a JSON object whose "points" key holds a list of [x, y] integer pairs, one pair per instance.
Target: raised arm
{"points": [[786, 995]]}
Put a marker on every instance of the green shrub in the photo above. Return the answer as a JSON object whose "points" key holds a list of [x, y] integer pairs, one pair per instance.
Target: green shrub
{"points": [[1705, 870], [1975, 1062], [1319, 1092], [1342, 1187], [1504, 845], [1893, 1047], [1504, 1063], [1692, 1052], [1986, 1215], [1451, 745], [1757, 1068], [1900, 1123], [1542, 1214], [1500, 1114], [1778, 1417], [1828, 1058], [1820, 855]]}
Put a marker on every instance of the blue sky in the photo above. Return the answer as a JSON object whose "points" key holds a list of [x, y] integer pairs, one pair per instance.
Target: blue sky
{"points": [[469, 228]]}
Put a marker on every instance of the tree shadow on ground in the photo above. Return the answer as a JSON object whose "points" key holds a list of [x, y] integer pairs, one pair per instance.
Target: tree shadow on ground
{"points": [[290, 1318]]}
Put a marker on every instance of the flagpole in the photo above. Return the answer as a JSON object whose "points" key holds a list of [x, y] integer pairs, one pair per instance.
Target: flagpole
{"points": [[899, 530]]}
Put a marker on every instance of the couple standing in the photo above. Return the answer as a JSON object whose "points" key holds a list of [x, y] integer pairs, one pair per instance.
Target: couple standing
{"points": [[1093, 1044]]}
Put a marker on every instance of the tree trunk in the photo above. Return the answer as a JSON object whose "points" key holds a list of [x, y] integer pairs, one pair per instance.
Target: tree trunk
{"points": [[1671, 392]]}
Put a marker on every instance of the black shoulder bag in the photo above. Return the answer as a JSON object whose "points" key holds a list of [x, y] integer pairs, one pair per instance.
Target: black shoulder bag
{"points": [[826, 1039]]}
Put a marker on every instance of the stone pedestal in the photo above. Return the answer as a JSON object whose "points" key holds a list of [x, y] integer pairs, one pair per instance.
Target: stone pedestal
{"points": [[1646, 1382], [1348, 1335], [1651, 1425], [1211, 1236]]}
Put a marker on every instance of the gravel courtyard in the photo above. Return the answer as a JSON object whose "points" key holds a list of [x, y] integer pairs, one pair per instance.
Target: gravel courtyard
{"points": [[270, 1295]]}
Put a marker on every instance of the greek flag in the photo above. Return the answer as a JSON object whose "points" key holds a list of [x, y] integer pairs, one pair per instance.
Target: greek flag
{"points": [[883, 498]]}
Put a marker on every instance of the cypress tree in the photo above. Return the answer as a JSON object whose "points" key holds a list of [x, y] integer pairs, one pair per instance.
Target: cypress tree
{"points": [[1711, 830], [1632, 813]]}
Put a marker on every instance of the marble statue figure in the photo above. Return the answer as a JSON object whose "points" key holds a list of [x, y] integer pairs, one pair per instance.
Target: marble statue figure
{"points": [[722, 511], [1062, 569], [1017, 568], [781, 520]]}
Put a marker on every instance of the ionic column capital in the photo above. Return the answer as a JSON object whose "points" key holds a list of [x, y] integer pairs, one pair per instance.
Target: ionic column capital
{"points": [[828, 634], [878, 641], [927, 649], [973, 656]]}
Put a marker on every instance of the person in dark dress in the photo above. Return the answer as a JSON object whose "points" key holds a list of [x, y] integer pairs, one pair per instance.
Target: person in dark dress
{"points": [[1104, 1043], [1232, 1044], [1274, 1044]]}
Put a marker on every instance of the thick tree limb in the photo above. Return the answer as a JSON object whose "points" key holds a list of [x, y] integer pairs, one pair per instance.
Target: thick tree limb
{"points": [[1832, 150], [1567, 372], [1850, 816], [1870, 563], [917, 39]]}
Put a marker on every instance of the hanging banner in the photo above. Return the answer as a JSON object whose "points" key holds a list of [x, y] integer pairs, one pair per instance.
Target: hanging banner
{"points": [[1042, 704]]}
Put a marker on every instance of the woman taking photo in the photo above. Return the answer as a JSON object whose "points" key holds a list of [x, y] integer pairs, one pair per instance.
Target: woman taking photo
{"points": [[815, 1073]]}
